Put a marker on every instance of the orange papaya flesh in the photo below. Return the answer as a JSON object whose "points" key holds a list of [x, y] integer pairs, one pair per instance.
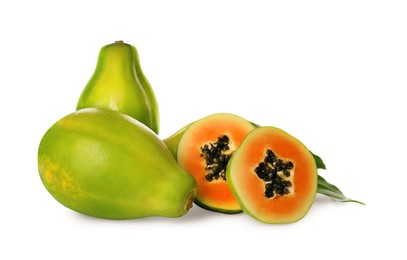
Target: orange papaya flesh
{"points": [[204, 151], [273, 176]]}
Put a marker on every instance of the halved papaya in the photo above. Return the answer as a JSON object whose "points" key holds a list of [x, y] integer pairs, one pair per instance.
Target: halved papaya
{"points": [[273, 176], [204, 151]]}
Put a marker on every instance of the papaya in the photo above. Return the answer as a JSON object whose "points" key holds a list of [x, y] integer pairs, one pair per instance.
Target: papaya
{"points": [[273, 176], [204, 150], [118, 83], [106, 164]]}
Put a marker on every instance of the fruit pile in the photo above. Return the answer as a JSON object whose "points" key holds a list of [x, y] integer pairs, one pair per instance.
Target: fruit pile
{"points": [[106, 159]]}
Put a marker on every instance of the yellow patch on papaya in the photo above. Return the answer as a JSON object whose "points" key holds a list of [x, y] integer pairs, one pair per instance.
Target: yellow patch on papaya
{"points": [[58, 180]]}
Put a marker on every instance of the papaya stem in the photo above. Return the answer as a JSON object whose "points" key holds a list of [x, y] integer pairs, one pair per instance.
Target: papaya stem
{"points": [[189, 201]]}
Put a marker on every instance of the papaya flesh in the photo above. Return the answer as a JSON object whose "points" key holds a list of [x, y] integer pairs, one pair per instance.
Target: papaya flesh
{"points": [[106, 164], [273, 176], [118, 83], [204, 150]]}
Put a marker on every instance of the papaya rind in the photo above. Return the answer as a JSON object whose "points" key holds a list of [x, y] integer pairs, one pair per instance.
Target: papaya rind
{"points": [[216, 209], [172, 141]]}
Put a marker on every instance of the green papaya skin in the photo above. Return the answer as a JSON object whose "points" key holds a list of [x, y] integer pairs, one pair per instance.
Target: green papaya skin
{"points": [[172, 141], [106, 164], [118, 83]]}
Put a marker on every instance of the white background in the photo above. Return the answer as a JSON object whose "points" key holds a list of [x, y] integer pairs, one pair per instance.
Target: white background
{"points": [[331, 73]]}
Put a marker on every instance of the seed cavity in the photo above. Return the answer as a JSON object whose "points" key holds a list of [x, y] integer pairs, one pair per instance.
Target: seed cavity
{"points": [[277, 175], [217, 155]]}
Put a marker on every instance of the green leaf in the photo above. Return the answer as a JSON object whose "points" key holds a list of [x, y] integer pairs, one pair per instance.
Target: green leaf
{"points": [[318, 161], [332, 191]]}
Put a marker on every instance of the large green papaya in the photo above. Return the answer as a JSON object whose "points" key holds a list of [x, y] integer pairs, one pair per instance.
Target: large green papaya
{"points": [[118, 83], [106, 164]]}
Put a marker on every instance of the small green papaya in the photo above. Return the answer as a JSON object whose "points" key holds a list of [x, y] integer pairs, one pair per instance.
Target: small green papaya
{"points": [[118, 83], [106, 164]]}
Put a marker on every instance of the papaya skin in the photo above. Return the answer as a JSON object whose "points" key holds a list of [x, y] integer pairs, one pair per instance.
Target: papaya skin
{"points": [[214, 209], [105, 164], [172, 141], [118, 83]]}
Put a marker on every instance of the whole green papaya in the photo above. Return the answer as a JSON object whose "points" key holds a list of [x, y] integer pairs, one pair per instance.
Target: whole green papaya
{"points": [[118, 83], [106, 164]]}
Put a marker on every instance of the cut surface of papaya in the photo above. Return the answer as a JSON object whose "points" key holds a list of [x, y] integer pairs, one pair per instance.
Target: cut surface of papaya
{"points": [[204, 151], [273, 176]]}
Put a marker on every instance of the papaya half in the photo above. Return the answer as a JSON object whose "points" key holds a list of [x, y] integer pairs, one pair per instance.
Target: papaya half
{"points": [[118, 83], [204, 150], [273, 176], [173, 141], [106, 164]]}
